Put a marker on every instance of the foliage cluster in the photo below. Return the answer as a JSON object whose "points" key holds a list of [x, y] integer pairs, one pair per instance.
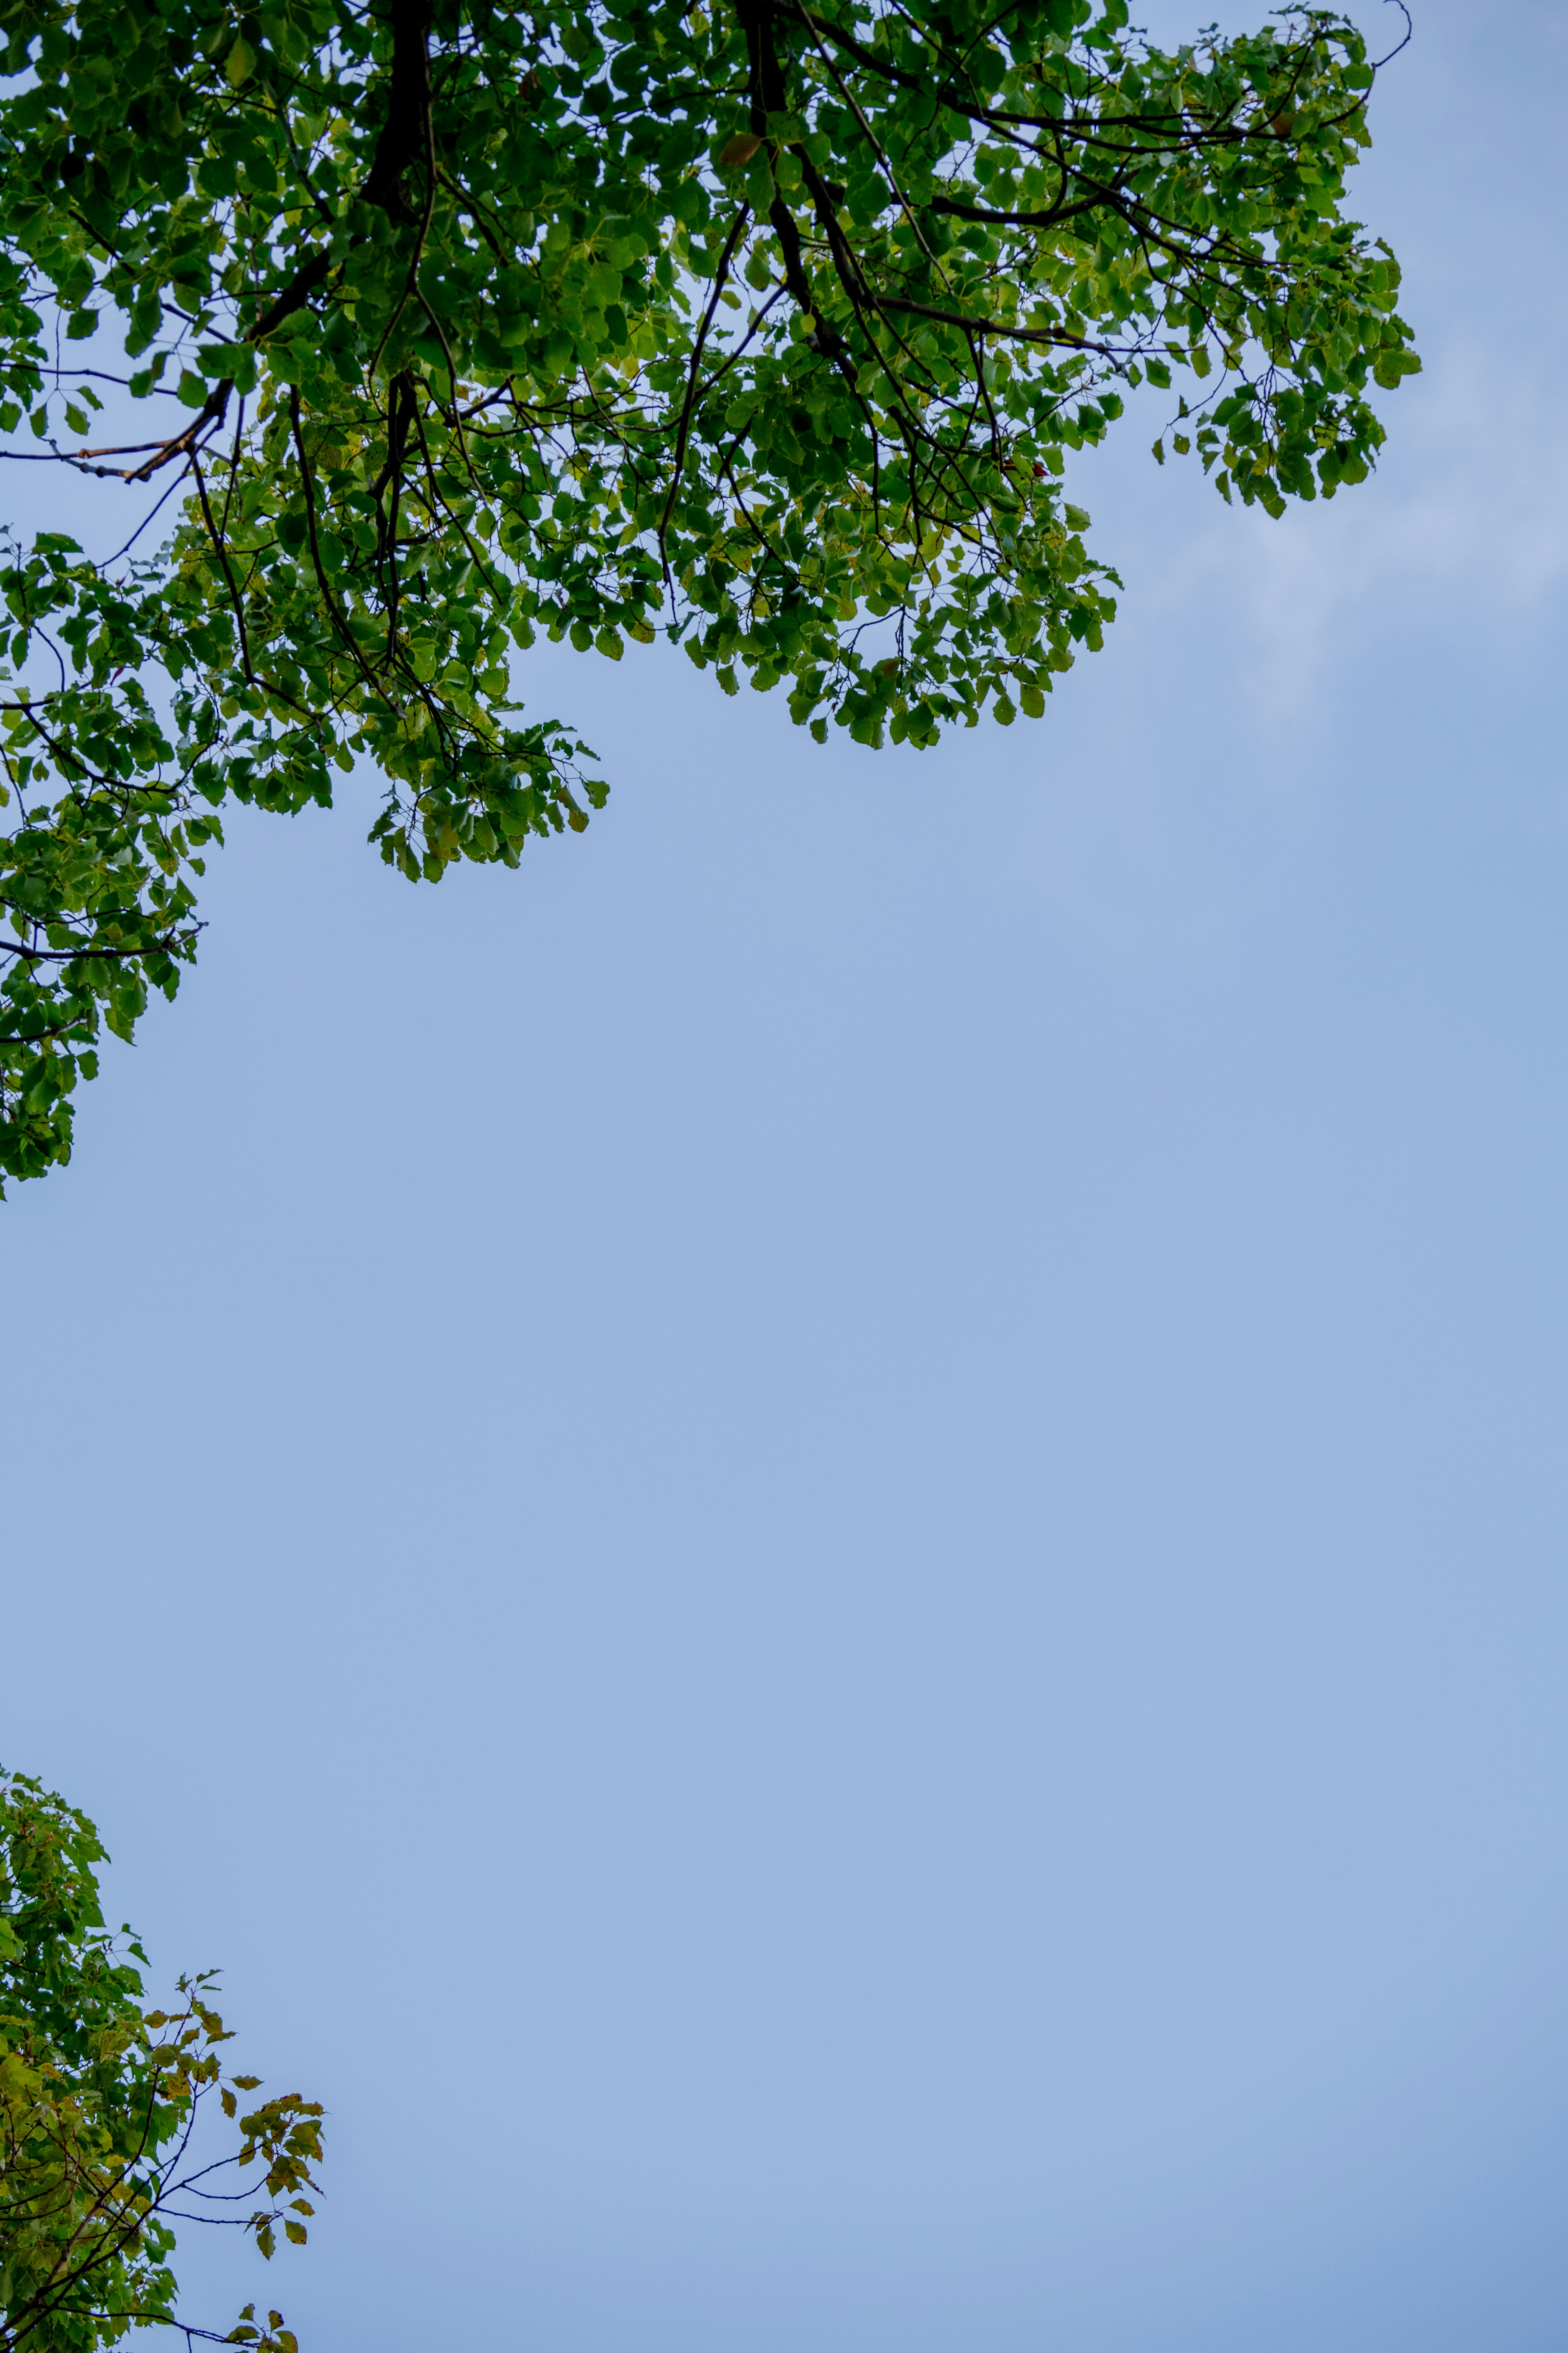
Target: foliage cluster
{"points": [[767, 326], [100, 2101]]}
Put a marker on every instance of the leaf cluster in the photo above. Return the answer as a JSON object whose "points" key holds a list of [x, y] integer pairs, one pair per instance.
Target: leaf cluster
{"points": [[99, 2106], [765, 327]]}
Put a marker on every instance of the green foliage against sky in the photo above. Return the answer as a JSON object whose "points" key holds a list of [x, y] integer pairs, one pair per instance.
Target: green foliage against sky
{"points": [[97, 2102], [766, 327]]}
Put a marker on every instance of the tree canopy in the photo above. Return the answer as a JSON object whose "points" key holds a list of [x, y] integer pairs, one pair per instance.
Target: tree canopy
{"points": [[761, 325], [98, 2108]]}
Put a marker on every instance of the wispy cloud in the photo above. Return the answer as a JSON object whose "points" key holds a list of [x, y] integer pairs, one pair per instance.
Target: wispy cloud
{"points": [[1465, 526]]}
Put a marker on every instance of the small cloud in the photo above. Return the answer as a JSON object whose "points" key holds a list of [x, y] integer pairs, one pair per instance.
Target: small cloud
{"points": [[1466, 521]]}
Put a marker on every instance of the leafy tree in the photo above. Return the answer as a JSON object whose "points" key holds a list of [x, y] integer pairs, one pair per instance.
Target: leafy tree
{"points": [[99, 2103], [765, 326]]}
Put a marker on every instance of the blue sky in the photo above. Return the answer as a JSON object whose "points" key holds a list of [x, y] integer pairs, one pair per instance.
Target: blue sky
{"points": [[827, 1542]]}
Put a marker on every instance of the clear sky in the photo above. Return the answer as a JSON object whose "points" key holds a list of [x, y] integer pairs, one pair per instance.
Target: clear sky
{"points": [[829, 1543]]}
